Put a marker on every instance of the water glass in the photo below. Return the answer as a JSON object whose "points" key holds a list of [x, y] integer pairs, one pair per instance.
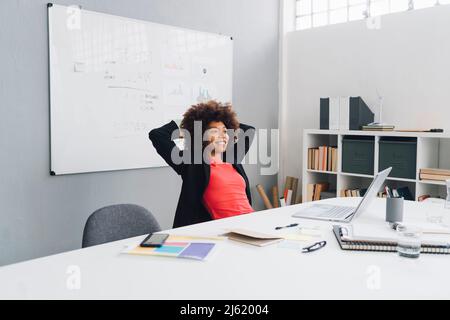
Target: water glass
{"points": [[409, 242]]}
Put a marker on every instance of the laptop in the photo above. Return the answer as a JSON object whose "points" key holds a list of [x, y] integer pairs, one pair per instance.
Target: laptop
{"points": [[331, 212]]}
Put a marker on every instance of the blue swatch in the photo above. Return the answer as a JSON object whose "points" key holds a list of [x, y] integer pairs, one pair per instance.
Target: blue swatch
{"points": [[169, 249], [197, 251]]}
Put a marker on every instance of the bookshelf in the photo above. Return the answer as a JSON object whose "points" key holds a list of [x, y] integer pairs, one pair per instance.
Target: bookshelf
{"points": [[433, 151]]}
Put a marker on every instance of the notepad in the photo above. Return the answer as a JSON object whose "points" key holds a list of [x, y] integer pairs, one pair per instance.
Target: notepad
{"points": [[174, 247], [253, 237]]}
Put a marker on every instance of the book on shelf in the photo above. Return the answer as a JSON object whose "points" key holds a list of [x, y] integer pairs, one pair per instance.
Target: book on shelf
{"points": [[322, 158], [329, 158], [352, 193], [423, 197], [434, 174], [314, 190], [316, 159], [317, 191], [401, 191]]}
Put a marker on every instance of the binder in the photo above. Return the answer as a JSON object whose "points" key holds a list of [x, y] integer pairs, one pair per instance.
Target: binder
{"points": [[379, 245], [360, 114], [324, 113], [334, 113], [344, 113], [329, 113]]}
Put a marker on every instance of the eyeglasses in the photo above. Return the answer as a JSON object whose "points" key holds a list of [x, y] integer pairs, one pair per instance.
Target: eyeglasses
{"points": [[314, 247]]}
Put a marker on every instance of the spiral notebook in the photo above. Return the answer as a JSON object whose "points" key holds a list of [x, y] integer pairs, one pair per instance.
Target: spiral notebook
{"points": [[342, 236]]}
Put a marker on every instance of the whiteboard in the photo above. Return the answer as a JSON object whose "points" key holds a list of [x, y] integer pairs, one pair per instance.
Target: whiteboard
{"points": [[113, 79]]}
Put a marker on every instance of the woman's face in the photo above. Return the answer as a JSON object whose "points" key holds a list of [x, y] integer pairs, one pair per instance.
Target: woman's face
{"points": [[217, 134]]}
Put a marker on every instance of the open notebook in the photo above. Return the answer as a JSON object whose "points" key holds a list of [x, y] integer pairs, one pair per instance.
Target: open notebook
{"points": [[348, 241]]}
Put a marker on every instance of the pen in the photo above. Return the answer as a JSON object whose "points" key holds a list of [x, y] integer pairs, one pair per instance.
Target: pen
{"points": [[288, 226]]}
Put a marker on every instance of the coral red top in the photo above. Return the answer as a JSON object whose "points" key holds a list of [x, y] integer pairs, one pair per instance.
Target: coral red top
{"points": [[225, 194]]}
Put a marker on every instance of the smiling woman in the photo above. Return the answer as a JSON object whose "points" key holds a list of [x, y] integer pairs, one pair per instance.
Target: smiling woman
{"points": [[217, 186]]}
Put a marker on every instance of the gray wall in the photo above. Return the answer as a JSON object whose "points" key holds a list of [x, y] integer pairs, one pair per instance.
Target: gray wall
{"points": [[42, 215]]}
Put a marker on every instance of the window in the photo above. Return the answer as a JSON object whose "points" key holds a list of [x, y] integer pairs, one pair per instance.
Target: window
{"points": [[316, 13]]}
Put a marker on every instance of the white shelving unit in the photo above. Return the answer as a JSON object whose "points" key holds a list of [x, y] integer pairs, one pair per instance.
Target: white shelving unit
{"points": [[433, 151]]}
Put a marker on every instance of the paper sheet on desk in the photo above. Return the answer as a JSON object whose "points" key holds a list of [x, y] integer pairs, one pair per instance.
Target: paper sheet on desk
{"points": [[300, 239], [303, 234], [178, 246]]}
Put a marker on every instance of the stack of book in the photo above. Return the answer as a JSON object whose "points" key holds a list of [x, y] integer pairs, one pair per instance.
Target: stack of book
{"points": [[318, 191], [378, 127], [323, 158], [290, 192], [396, 192], [352, 193], [434, 174]]}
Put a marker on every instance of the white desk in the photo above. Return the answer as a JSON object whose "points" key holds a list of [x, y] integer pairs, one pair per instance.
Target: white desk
{"points": [[240, 271]]}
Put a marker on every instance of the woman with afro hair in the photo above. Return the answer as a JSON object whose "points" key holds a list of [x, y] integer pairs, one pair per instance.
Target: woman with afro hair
{"points": [[214, 184]]}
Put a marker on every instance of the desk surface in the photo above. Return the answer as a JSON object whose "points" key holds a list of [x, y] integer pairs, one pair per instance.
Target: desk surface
{"points": [[240, 271]]}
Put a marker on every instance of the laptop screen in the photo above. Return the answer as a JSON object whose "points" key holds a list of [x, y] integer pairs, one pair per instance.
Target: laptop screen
{"points": [[372, 191]]}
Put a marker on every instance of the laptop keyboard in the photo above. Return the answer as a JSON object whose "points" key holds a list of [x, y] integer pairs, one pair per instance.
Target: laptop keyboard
{"points": [[337, 212]]}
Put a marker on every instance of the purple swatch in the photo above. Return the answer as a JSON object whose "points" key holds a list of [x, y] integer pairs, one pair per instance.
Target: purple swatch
{"points": [[197, 251]]}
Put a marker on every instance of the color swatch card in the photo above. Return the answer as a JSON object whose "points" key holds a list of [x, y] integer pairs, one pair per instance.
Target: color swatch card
{"points": [[175, 249]]}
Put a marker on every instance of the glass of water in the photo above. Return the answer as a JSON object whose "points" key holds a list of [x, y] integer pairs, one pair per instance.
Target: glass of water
{"points": [[409, 241]]}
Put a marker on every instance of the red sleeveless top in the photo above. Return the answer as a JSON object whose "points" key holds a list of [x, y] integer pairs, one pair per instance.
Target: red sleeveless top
{"points": [[225, 194]]}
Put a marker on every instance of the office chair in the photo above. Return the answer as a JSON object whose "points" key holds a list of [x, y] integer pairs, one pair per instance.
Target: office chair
{"points": [[118, 222]]}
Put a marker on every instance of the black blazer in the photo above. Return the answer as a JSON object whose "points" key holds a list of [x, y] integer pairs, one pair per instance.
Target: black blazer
{"points": [[190, 208]]}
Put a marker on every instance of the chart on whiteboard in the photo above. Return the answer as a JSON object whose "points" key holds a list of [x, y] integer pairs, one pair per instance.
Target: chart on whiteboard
{"points": [[113, 79]]}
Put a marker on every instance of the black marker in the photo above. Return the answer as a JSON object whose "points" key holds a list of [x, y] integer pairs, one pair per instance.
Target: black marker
{"points": [[288, 226]]}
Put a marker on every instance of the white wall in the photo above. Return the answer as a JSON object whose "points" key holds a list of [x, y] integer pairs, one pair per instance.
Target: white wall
{"points": [[407, 60]]}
